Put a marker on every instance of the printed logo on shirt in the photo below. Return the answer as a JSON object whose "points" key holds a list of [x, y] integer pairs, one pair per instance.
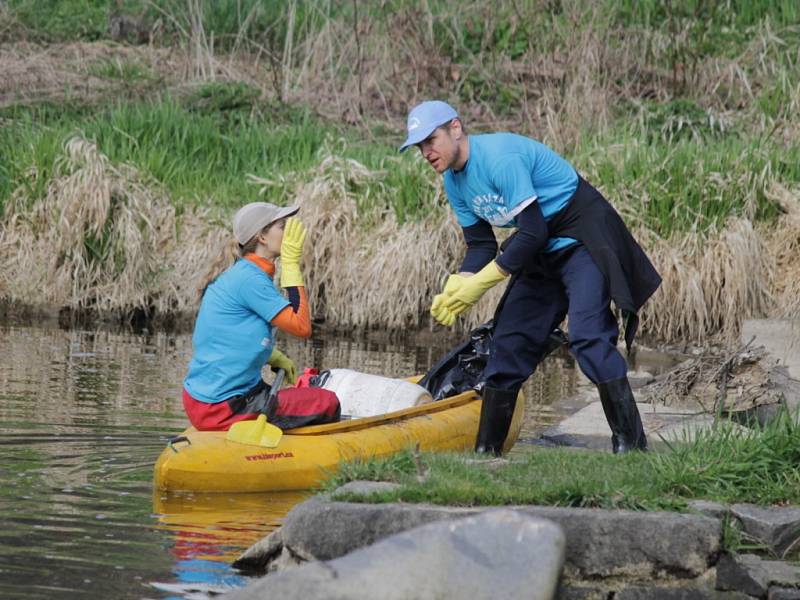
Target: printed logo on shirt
{"points": [[491, 208], [265, 342]]}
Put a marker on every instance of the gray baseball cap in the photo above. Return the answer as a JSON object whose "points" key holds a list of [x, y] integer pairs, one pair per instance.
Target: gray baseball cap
{"points": [[253, 217], [424, 118]]}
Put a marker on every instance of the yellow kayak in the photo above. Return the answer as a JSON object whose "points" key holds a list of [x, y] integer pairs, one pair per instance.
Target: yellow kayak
{"points": [[305, 457]]}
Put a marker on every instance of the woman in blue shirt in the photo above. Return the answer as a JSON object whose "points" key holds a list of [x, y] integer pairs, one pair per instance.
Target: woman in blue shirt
{"points": [[570, 256], [234, 335]]}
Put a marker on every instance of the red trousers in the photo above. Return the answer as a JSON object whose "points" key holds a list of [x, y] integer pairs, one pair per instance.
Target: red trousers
{"points": [[295, 407]]}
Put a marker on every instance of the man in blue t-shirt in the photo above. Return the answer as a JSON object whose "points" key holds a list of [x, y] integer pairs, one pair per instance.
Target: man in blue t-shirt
{"points": [[570, 256]]}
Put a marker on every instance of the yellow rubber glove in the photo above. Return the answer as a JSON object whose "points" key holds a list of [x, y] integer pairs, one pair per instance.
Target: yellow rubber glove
{"points": [[472, 288], [294, 234], [278, 360], [451, 285], [445, 317]]}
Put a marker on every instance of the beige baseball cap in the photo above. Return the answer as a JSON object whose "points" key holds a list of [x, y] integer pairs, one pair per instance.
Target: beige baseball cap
{"points": [[253, 217]]}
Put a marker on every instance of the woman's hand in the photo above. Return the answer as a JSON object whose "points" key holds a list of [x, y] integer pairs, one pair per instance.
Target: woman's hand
{"points": [[294, 234], [278, 360]]}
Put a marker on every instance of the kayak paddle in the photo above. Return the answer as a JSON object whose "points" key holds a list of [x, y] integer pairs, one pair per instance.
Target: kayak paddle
{"points": [[259, 432]]}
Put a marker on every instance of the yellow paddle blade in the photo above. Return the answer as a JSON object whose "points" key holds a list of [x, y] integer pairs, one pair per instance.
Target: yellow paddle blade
{"points": [[255, 433]]}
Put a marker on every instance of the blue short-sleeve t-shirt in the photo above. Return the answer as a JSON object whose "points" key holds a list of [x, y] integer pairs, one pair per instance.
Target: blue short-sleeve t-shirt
{"points": [[505, 173], [233, 337]]}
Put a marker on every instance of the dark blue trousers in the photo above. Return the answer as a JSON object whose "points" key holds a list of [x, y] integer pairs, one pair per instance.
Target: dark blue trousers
{"points": [[568, 284]]}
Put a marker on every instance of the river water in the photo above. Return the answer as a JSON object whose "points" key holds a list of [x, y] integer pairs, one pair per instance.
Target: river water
{"points": [[83, 417]]}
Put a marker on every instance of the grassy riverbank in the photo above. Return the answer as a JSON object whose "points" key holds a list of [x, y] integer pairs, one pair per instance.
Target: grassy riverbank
{"points": [[685, 116], [758, 466], [201, 147]]}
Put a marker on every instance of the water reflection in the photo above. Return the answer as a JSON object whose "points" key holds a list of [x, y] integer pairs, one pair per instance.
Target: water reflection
{"points": [[83, 417], [209, 531], [217, 526]]}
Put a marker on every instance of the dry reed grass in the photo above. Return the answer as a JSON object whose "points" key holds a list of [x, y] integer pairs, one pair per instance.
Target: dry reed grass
{"points": [[710, 284], [54, 73], [380, 68], [33, 73], [558, 89], [783, 244], [371, 69], [364, 270], [104, 238]]}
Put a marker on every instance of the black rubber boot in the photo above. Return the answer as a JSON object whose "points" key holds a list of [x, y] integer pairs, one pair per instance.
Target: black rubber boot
{"points": [[497, 409], [622, 415]]}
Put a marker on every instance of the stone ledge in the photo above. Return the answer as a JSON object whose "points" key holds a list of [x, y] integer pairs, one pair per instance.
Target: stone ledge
{"points": [[498, 553], [624, 554], [588, 428], [777, 528], [755, 576], [600, 543]]}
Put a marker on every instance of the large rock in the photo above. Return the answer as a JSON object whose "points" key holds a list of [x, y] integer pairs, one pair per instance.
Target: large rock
{"points": [[754, 576], [364, 489], [716, 510], [776, 527], [496, 554], [688, 593], [582, 592], [782, 593], [600, 543]]}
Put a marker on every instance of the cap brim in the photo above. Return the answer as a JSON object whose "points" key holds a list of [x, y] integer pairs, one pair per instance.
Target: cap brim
{"points": [[286, 211], [417, 137]]}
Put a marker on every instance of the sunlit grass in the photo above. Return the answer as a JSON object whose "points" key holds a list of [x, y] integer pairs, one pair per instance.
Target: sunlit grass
{"points": [[203, 148], [689, 184], [722, 464], [124, 70]]}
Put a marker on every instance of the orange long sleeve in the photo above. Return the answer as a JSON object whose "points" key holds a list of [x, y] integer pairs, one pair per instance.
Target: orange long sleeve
{"points": [[295, 319]]}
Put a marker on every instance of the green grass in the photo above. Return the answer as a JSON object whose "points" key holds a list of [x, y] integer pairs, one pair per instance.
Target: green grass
{"points": [[676, 169], [229, 21], [48, 20], [676, 165], [129, 72], [202, 147], [760, 467], [680, 175], [725, 13], [505, 29]]}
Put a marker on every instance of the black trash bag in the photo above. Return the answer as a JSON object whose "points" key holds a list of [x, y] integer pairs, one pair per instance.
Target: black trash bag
{"points": [[462, 368]]}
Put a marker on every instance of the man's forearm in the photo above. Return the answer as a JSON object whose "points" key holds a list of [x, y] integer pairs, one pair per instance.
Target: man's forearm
{"points": [[530, 239]]}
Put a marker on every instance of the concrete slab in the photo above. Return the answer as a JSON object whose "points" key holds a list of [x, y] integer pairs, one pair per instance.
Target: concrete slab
{"points": [[588, 427], [781, 338]]}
